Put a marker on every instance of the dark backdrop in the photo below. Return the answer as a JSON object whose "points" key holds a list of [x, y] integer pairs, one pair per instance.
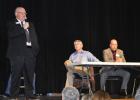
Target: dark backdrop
{"points": [[59, 22]]}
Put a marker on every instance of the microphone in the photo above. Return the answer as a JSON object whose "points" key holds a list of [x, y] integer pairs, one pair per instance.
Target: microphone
{"points": [[119, 55]]}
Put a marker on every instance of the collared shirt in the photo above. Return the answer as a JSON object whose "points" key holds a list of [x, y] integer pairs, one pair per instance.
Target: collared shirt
{"points": [[20, 22], [82, 56]]}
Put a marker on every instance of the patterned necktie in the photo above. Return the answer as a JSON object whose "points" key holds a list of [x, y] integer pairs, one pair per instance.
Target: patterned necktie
{"points": [[21, 23], [26, 33]]}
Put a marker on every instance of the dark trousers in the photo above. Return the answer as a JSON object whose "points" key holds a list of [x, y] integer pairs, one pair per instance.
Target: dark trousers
{"points": [[118, 72], [7, 91], [22, 65]]}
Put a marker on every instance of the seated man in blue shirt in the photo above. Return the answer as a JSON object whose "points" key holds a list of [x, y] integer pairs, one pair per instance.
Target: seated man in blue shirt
{"points": [[77, 57]]}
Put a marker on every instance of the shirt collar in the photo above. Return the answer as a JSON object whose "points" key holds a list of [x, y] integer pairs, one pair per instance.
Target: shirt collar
{"points": [[20, 21], [113, 51], [79, 52]]}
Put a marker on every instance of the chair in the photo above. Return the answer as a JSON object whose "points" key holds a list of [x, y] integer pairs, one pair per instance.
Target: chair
{"points": [[82, 82], [113, 84], [135, 84], [22, 86], [137, 95]]}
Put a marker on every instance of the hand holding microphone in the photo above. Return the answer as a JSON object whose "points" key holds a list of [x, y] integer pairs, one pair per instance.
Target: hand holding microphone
{"points": [[119, 57], [26, 25]]}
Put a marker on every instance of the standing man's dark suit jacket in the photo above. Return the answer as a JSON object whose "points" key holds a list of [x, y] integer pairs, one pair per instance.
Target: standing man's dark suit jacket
{"points": [[17, 51], [17, 40]]}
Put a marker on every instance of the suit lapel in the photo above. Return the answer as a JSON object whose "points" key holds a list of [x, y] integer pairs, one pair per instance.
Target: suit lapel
{"points": [[17, 23]]}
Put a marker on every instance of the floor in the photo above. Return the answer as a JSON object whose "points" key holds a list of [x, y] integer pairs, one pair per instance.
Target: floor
{"points": [[56, 96]]}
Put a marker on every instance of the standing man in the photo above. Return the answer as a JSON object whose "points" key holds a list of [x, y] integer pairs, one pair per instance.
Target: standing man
{"points": [[113, 54], [22, 51], [77, 57]]}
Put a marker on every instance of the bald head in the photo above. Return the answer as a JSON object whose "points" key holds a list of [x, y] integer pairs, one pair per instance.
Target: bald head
{"points": [[20, 13], [113, 44]]}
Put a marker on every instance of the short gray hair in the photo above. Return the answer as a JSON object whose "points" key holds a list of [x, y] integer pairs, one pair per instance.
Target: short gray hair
{"points": [[70, 93], [78, 41], [17, 8]]}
